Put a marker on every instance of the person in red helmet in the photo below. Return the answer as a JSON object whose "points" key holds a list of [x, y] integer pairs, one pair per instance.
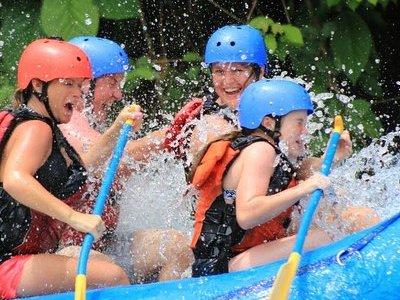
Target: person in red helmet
{"points": [[41, 175]]}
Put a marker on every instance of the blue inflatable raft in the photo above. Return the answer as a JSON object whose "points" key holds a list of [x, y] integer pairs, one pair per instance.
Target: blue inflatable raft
{"points": [[365, 265]]}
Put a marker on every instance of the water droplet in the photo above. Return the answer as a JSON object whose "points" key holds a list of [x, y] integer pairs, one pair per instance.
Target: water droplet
{"points": [[313, 68], [88, 21]]}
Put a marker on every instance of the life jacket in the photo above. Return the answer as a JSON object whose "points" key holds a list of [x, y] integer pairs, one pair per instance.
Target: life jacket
{"points": [[216, 229], [24, 230]]}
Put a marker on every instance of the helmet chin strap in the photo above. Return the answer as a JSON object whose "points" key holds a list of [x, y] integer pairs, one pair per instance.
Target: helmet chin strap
{"points": [[43, 97], [274, 134]]}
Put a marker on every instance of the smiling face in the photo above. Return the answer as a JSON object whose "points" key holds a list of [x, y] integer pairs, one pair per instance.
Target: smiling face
{"points": [[229, 80], [64, 95], [108, 89], [293, 130]]}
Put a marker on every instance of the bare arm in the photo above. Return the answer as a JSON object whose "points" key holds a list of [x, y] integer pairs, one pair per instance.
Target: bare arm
{"points": [[103, 146], [141, 149], [252, 206], [26, 151]]}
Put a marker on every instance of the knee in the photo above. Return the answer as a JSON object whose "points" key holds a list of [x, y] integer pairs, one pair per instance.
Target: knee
{"points": [[116, 275], [360, 217]]}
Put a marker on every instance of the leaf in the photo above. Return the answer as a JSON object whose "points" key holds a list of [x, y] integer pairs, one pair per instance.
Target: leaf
{"points": [[373, 2], [271, 42], [20, 26], [351, 44], [369, 80], [193, 73], [277, 28], [143, 73], [262, 23], [329, 29], [353, 4], [293, 34], [331, 3], [69, 18], [118, 9], [143, 69], [192, 57]]}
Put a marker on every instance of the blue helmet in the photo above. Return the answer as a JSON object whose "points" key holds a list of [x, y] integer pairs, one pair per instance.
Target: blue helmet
{"points": [[276, 97], [105, 56], [236, 43]]}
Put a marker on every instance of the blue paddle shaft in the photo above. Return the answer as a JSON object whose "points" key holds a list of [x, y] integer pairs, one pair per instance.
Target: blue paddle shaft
{"points": [[103, 193], [316, 195]]}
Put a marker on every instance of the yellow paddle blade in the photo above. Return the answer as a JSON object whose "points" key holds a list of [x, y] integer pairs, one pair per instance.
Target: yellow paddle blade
{"points": [[80, 287], [338, 125], [283, 281]]}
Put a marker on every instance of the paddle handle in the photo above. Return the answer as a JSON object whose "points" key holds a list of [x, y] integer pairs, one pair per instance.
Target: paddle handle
{"points": [[104, 191], [317, 194]]}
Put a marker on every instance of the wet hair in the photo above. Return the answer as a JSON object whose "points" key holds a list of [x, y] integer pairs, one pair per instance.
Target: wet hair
{"points": [[22, 97]]}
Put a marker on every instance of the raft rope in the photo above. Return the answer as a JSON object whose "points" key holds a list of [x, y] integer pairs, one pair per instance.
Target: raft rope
{"points": [[336, 259]]}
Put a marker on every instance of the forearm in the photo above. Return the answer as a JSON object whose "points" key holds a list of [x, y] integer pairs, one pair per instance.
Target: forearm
{"points": [[261, 209], [141, 149], [102, 147], [28, 191]]}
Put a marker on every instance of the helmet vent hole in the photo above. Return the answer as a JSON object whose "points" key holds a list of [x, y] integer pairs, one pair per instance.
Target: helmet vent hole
{"points": [[219, 44], [120, 54], [78, 58], [86, 39], [232, 43], [45, 42]]}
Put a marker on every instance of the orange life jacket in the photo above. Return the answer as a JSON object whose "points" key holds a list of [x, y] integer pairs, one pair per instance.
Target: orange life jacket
{"points": [[208, 180]]}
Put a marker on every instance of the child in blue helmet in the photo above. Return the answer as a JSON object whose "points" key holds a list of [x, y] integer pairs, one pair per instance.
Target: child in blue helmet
{"points": [[109, 64], [248, 185]]}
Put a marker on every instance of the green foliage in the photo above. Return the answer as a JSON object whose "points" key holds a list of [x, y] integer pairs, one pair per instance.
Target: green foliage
{"points": [[293, 35], [262, 23], [118, 10], [278, 37], [351, 44], [6, 92], [331, 3], [69, 18], [192, 57], [19, 27]]}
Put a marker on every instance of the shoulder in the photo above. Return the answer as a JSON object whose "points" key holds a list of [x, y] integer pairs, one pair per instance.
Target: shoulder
{"points": [[260, 153], [36, 129]]}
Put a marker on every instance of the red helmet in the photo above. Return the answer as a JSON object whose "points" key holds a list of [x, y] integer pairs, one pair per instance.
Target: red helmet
{"points": [[48, 59]]}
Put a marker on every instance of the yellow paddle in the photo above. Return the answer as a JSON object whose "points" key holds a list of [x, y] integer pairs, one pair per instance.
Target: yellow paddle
{"points": [[283, 281]]}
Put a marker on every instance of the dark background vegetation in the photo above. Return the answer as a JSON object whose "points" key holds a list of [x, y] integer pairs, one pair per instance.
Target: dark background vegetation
{"points": [[346, 47]]}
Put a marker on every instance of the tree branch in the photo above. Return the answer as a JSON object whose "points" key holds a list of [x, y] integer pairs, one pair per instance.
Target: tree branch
{"points": [[286, 11], [253, 6], [145, 28], [226, 11]]}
